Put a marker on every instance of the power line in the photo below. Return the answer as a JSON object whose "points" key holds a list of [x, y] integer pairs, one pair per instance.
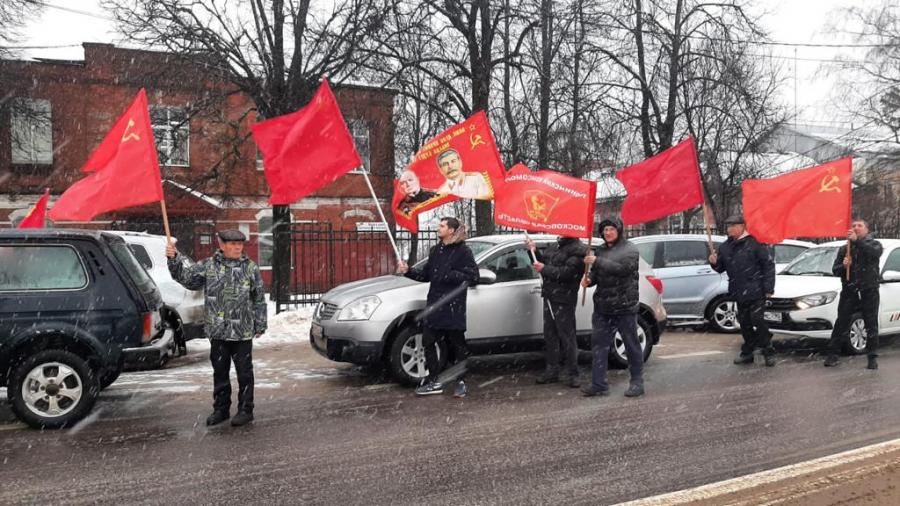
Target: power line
{"points": [[76, 11]]}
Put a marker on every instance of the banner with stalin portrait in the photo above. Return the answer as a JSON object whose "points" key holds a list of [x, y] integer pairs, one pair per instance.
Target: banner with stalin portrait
{"points": [[462, 162]]}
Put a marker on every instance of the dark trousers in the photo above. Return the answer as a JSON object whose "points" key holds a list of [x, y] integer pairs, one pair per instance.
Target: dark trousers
{"points": [[559, 337], [604, 331], [855, 301], [754, 328], [456, 347], [221, 354]]}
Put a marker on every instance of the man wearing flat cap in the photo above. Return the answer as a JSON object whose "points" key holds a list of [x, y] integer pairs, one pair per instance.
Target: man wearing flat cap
{"points": [[235, 315], [751, 280]]}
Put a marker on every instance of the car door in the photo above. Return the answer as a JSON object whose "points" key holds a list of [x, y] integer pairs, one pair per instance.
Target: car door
{"points": [[687, 277], [511, 306], [889, 312]]}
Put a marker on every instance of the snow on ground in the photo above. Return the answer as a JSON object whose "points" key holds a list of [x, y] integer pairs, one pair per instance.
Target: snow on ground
{"points": [[284, 328]]}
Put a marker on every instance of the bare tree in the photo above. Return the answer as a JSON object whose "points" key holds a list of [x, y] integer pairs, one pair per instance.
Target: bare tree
{"points": [[273, 51]]}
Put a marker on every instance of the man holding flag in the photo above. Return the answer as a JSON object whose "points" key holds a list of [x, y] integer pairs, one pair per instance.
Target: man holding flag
{"points": [[751, 280], [859, 292], [561, 267], [614, 270]]}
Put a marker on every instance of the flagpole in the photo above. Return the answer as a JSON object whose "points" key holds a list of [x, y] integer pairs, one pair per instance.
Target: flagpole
{"points": [[541, 277], [712, 249], [849, 260], [587, 269], [165, 217], [387, 229]]}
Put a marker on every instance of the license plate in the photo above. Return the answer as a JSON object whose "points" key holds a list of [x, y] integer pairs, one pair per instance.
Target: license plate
{"points": [[772, 317], [316, 331]]}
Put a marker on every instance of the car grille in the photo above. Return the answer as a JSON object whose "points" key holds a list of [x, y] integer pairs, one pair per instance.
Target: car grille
{"points": [[775, 304], [326, 311]]}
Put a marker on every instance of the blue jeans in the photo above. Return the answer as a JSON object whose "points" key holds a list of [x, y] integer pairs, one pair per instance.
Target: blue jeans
{"points": [[604, 330]]}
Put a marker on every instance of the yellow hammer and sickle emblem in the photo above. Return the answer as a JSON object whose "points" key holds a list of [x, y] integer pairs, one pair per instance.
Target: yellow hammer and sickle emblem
{"points": [[828, 184], [475, 139], [130, 136]]}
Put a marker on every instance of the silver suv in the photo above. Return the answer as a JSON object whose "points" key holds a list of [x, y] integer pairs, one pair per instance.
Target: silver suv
{"points": [[374, 320], [695, 293]]}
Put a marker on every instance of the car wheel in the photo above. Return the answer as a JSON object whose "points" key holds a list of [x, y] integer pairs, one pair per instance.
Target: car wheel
{"points": [[407, 356], [856, 345], [174, 322], [617, 354], [722, 316], [53, 389]]}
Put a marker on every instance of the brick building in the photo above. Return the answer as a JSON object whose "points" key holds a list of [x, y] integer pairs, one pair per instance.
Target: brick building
{"points": [[56, 112]]}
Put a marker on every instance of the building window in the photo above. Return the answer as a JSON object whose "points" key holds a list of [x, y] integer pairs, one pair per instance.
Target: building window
{"points": [[359, 129], [264, 241], [259, 160], [31, 132], [171, 129]]}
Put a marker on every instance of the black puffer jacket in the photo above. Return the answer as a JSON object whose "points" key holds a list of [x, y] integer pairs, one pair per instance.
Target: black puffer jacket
{"points": [[750, 268], [865, 254], [563, 268], [615, 272], [450, 269]]}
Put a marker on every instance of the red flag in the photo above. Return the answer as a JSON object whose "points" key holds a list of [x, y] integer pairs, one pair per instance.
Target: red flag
{"points": [[123, 169], [307, 149], [35, 217], [460, 162], [813, 202], [664, 184], [547, 201]]}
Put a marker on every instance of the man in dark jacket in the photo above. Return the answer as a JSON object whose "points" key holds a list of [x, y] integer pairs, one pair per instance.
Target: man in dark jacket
{"points": [[614, 270], [235, 314], [451, 269], [859, 294], [561, 267], [751, 280]]}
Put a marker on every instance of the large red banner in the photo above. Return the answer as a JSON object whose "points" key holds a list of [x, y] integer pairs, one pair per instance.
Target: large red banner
{"points": [[460, 162], [546, 201]]}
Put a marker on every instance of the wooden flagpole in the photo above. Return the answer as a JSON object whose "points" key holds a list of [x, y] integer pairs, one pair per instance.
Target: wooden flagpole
{"points": [[849, 260], [712, 249], [587, 269], [165, 217], [387, 229]]}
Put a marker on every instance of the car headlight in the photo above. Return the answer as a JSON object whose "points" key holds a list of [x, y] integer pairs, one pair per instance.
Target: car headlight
{"points": [[816, 299], [360, 309]]}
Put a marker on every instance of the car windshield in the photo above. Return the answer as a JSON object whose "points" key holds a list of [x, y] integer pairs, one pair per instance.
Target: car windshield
{"points": [[813, 262], [477, 247]]}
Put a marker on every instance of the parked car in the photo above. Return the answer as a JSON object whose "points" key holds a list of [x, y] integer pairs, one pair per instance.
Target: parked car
{"points": [[806, 296], [75, 306], [374, 320], [183, 309], [695, 293]]}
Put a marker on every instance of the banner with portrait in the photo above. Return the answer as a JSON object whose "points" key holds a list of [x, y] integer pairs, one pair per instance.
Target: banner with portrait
{"points": [[461, 162]]}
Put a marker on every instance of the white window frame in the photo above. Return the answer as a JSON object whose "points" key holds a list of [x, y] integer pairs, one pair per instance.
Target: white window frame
{"points": [[27, 121], [164, 134], [266, 213], [362, 139]]}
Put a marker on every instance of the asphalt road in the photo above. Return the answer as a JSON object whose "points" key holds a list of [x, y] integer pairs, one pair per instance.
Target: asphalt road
{"points": [[329, 433]]}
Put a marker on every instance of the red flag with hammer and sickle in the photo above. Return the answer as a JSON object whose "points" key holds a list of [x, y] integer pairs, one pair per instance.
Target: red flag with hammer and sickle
{"points": [[123, 170], [813, 202]]}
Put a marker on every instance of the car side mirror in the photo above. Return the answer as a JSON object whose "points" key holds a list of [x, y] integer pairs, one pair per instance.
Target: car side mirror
{"points": [[486, 277], [890, 276]]}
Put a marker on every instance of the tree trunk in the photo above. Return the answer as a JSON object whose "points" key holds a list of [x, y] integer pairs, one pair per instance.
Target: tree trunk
{"points": [[544, 87], [281, 253]]}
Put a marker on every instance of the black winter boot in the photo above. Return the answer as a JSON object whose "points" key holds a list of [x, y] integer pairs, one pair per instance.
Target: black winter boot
{"points": [[242, 418], [217, 417]]}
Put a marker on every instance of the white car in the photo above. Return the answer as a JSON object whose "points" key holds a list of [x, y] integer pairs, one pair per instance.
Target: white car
{"points": [[182, 309], [806, 296]]}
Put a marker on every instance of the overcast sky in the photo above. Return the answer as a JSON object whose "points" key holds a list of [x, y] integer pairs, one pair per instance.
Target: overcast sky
{"points": [[68, 23]]}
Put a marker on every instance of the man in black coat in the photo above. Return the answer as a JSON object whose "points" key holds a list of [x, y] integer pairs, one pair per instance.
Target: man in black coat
{"points": [[561, 267], [751, 280], [451, 269], [614, 270], [859, 294]]}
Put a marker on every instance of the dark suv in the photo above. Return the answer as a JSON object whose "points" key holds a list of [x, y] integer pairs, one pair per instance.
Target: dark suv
{"points": [[75, 305]]}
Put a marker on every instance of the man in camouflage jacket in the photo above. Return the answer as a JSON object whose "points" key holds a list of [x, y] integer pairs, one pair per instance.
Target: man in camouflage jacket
{"points": [[235, 314]]}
